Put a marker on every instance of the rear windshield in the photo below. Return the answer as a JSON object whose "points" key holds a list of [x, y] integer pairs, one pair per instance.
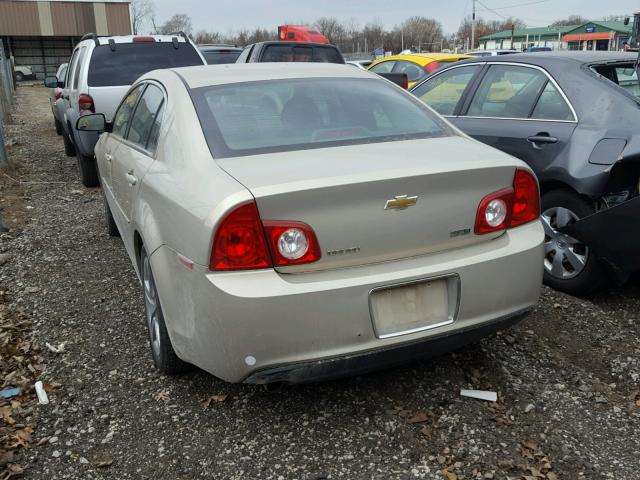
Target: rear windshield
{"points": [[131, 60], [284, 115], [217, 57], [622, 74], [300, 53]]}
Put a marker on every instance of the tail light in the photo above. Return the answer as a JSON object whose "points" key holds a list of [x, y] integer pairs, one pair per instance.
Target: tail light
{"points": [[85, 102], [432, 66], [240, 242], [58, 95], [509, 207], [405, 82]]}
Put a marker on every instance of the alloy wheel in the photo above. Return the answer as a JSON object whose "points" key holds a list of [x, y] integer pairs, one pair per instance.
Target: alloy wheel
{"points": [[151, 307], [564, 256]]}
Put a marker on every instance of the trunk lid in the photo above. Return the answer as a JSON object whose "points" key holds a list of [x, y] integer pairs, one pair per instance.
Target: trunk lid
{"points": [[342, 193]]}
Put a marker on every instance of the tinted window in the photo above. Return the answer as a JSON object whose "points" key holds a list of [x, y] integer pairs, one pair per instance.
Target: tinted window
{"points": [[443, 92], [62, 73], [145, 115], [551, 105], [383, 67], [296, 53], [122, 116], [507, 91], [414, 71], [271, 116], [79, 62], [217, 57], [131, 60]]}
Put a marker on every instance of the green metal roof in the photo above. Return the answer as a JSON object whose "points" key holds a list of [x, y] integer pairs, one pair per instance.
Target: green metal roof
{"points": [[600, 26], [523, 32], [604, 27]]}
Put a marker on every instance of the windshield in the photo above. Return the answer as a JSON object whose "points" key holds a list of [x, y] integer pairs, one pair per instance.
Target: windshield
{"points": [[217, 57], [283, 115], [129, 61]]}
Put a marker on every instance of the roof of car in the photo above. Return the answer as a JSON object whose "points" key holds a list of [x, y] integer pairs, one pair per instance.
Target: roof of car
{"points": [[202, 76], [542, 58], [130, 38]]}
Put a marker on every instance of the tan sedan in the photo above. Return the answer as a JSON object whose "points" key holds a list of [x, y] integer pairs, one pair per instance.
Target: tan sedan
{"points": [[296, 222]]}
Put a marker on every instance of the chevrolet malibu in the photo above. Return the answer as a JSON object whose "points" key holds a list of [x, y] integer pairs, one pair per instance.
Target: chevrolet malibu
{"points": [[297, 222]]}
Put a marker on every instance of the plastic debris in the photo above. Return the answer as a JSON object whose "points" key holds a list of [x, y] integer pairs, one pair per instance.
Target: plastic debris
{"points": [[9, 392], [43, 398], [58, 349], [480, 395]]}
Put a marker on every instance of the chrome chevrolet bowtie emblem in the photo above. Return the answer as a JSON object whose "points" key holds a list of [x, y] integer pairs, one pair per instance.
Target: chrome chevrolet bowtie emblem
{"points": [[400, 202]]}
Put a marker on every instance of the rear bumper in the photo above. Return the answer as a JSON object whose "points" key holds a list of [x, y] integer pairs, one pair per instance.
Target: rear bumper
{"points": [[238, 325], [333, 368]]}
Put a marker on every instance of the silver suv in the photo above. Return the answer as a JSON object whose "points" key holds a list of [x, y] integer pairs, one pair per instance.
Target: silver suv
{"points": [[101, 70]]}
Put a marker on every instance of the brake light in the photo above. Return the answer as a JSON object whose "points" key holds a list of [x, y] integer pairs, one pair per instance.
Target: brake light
{"points": [[432, 66], [526, 198], [143, 40], [239, 242], [58, 95], [509, 207], [291, 243], [85, 102], [405, 82]]}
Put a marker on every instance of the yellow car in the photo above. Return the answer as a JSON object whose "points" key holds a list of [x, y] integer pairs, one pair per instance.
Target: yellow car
{"points": [[415, 65]]}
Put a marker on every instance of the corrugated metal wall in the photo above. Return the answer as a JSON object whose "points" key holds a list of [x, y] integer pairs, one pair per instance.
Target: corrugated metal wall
{"points": [[42, 54]]}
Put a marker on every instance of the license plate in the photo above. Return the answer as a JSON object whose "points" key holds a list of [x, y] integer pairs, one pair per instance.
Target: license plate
{"points": [[410, 308]]}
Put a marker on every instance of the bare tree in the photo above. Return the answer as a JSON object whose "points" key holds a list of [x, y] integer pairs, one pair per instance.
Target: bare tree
{"points": [[570, 20], [141, 11], [178, 23], [419, 32], [331, 28], [207, 37]]}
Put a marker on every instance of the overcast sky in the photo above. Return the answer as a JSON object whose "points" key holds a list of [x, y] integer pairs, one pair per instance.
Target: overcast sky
{"points": [[226, 15]]}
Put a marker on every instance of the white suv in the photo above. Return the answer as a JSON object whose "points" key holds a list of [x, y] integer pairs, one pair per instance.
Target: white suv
{"points": [[101, 70]]}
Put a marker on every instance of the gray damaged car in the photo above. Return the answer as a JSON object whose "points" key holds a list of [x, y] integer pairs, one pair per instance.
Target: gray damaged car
{"points": [[572, 116]]}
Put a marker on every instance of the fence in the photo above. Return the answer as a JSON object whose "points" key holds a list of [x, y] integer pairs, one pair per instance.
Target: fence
{"points": [[6, 98]]}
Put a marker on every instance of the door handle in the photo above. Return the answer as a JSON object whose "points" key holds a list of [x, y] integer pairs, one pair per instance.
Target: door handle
{"points": [[542, 138], [108, 157], [131, 178]]}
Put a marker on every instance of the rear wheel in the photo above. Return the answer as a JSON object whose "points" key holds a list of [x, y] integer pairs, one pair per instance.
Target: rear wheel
{"points": [[58, 126], [69, 147], [19, 76], [88, 171], [164, 356], [569, 264]]}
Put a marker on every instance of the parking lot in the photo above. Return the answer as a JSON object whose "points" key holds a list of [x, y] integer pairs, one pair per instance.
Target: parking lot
{"points": [[567, 377]]}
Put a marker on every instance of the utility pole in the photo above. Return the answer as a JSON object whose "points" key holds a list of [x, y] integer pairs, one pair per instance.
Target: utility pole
{"points": [[473, 24]]}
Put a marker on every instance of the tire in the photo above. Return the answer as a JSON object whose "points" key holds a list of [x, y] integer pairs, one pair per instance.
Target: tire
{"points": [[88, 171], [569, 265], [164, 356], [59, 130], [112, 228], [69, 147], [19, 77]]}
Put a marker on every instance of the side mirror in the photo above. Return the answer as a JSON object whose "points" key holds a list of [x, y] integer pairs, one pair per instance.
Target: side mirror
{"points": [[51, 82], [399, 79], [95, 122], [626, 20]]}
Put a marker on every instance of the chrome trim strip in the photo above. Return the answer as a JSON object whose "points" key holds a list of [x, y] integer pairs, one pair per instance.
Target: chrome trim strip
{"points": [[453, 312]]}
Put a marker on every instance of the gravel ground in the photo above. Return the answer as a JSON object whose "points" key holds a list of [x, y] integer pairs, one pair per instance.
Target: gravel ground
{"points": [[567, 377]]}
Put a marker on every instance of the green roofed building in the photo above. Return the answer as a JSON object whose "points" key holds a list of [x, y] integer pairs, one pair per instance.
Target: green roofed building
{"points": [[595, 35]]}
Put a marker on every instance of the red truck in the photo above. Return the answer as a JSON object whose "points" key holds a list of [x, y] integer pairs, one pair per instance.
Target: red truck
{"points": [[301, 33]]}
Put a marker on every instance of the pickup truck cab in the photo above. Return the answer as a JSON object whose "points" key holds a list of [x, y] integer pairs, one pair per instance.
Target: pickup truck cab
{"points": [[276, 51]]}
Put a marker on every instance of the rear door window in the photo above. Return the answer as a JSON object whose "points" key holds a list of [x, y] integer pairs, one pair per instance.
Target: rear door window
{"points": [[129, 61], [72, 66], [144, 117], [508, 91], [123, 114], [551, 105], [76, 75], [444, 91]]}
